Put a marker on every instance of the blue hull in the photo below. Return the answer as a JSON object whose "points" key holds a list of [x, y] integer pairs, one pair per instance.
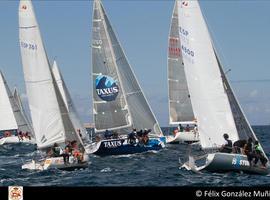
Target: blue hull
{"points": [[120, 147]]}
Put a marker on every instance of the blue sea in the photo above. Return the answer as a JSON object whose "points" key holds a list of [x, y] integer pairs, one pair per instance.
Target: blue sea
{"points": [[147, 169]]}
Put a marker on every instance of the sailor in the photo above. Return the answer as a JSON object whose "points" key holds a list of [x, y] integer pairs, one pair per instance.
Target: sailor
{"points": [[187, 129], [140, 137], [115, 135], [145, 137], [76, 152], [132, 136], [227, 146], [180, 128], [79, 132], [67, 152], [56, 150], [20, 135], [248, 150], [259, 154], [27, 135], [238, 146], [107, 134]]}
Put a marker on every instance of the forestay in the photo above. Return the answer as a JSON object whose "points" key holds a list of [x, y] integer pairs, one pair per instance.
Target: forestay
{"points": [[180, 108]]}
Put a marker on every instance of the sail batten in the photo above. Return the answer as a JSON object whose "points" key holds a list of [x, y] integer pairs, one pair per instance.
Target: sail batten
{"points": [[180, 108]]}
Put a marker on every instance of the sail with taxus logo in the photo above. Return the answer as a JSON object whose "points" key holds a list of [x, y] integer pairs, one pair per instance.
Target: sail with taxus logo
{"points": [[119, 103]]}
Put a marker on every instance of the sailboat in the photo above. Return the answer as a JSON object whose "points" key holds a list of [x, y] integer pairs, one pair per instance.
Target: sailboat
{"points": [[214, 103], [13, 118], [50, 117], [180, 108], [119, 104], [69, 103]]}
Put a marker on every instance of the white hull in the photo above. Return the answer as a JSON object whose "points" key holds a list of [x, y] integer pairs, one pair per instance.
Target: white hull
{"points": [[15, 140], [183, 137], [56, 163]]}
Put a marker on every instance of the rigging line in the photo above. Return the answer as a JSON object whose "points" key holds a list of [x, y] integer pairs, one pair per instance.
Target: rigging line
{"points": [[249, 81]]}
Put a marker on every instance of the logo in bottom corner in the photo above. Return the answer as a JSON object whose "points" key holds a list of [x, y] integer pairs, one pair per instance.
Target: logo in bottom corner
{"points": [[15, 193]]}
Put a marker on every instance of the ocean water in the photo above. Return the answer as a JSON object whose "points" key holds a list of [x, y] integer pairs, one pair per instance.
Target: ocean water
{"points": [[147, 169]]}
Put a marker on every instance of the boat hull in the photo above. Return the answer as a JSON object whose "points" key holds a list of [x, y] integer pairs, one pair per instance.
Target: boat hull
{"points": [[224, 162], [122, 147], [15, 140], [55, 163], [182, 137]]}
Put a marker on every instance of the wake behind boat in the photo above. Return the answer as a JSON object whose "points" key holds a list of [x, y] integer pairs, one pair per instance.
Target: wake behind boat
{"points": [[215, 106], [119, 104], [53, 127]]}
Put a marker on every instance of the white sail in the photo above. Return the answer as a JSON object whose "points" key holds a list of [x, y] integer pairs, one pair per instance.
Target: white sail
{"points": [[25, 124], [17, 97], [50, 118], [209, 99], [8, 121], [107, 47], [68, 101], [180, 108]]}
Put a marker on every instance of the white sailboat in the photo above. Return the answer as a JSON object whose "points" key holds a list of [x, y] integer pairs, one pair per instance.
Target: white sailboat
{"points": [[214, 104], [69, 103], [180, 108], [13, 119], [119, 104], [51, 121]]}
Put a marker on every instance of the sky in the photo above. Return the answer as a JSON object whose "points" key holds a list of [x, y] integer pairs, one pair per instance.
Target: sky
{"points": [[240, 30]]}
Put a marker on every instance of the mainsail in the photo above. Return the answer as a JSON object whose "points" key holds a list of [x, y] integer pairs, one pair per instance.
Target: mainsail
{"points": [[180, 108], [50, 117], [8, 121], [209, 100], [118, 99], [68, 101]]}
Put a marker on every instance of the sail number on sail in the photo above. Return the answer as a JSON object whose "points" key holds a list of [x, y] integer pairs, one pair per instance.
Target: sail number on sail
{"points": [[28, 46], [183, 31], [187, 51]]}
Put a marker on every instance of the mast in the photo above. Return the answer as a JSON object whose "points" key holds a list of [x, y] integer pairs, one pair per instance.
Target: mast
{"points": [[180, 108]]}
